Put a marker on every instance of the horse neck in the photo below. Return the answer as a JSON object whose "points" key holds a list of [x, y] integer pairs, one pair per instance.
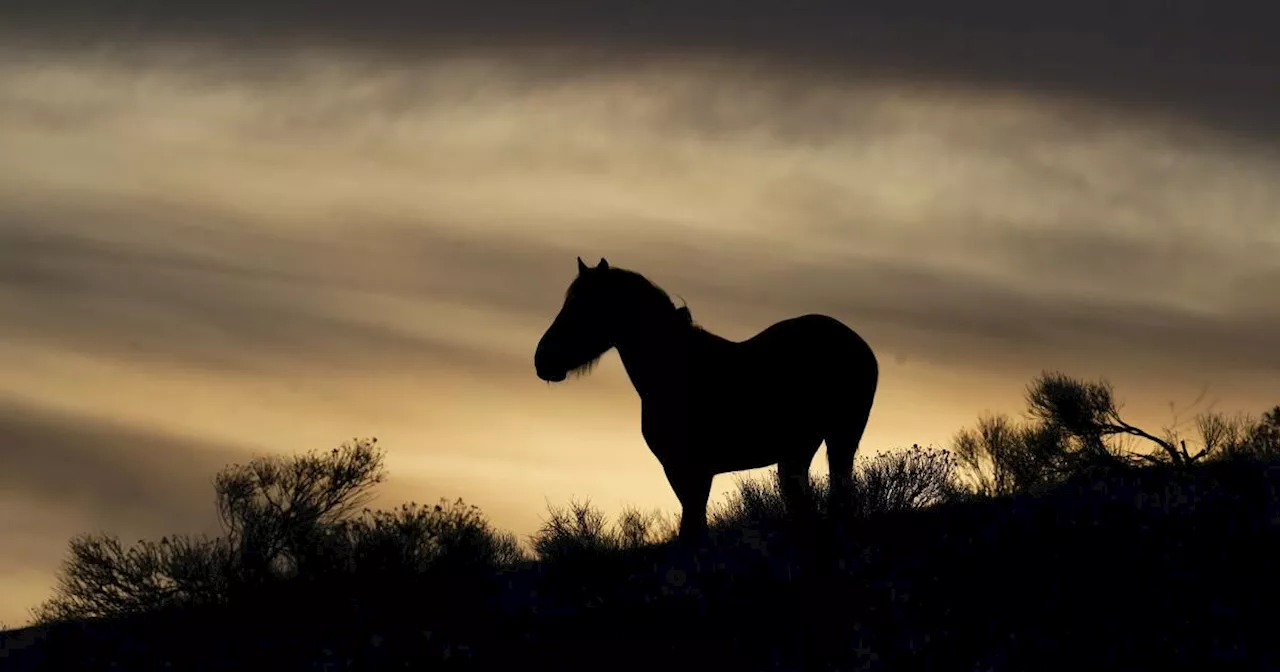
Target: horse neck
{"points": [[654, 355]]}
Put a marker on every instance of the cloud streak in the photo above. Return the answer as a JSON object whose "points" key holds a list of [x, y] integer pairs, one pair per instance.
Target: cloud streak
{"points": [[1209, 61]]}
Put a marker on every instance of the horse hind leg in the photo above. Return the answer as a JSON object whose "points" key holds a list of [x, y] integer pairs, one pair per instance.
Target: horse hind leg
{"points": [[842, 446], [793, 484], [796, 490]]}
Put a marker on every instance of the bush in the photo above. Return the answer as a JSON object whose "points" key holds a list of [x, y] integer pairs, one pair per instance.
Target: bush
{"points": [[1002, 457], [104, 578], [275, 510], [1242, 437], [916, 478], [285, 520], [1073, 427], [755, 502], [581, 529], [891, 481], [448, 538]]}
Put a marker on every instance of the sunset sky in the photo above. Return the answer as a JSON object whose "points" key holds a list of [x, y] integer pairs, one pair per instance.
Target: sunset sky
{"points": [[238, 228]]}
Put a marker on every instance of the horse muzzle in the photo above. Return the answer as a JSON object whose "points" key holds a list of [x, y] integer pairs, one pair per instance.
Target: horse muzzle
{"points": [[552, 376]]}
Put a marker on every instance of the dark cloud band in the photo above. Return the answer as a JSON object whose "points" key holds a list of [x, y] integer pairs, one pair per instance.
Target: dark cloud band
{"points": [[1211, 61]]}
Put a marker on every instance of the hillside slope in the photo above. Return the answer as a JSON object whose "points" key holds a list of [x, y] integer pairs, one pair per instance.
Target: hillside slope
{"points": [[1133, 569]]}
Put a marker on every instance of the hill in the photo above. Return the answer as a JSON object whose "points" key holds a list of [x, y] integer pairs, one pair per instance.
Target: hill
{"points": [[1125, 568]]}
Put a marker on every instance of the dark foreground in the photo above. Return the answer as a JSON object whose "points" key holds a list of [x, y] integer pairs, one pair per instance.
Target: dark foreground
{"points": [[1135, 570]]}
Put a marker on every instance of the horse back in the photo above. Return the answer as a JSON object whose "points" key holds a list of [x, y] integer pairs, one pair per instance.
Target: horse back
{"points": [[810, 337], [807, 356]]}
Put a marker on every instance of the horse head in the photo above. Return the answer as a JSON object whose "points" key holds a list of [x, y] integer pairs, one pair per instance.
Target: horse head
{"points": [[582, 331]]}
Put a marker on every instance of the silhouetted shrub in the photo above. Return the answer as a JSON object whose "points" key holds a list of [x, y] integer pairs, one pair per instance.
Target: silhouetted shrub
{"points": [[1073, 427], [1241, 437], [581, 529], [103, 577], [275, 509], [890, 481], [915, 478], [637, 529], [754, 502], [276, 512], [414, 540], [285, 519], [1002, 456], [1088, 413]]}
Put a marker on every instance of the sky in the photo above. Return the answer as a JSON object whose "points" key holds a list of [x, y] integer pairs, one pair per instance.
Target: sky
{"points": [[231, 229]]}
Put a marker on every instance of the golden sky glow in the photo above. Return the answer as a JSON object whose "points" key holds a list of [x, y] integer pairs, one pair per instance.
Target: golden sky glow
{"points": [[205, 255]]}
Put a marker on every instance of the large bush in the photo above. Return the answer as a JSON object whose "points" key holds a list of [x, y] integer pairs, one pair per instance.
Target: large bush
{"points": [[285, 519], [1073, 426], [275, 510]]}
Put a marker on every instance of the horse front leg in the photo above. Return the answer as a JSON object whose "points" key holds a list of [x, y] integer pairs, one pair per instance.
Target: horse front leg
{"points": [[692, 487]]}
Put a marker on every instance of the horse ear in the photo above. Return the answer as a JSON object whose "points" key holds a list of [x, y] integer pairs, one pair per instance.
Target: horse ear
{"points": [[582, 267], [603, 265]]}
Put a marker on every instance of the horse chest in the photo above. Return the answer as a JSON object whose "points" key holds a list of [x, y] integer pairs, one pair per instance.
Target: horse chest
{"points": [[663, 422]]}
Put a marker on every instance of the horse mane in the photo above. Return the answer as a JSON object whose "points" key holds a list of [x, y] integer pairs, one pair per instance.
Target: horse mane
{"points": [[642, 287], [685, 316], [644, 293]]}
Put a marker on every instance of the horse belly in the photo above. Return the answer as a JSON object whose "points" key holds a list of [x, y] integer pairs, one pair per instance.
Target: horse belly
{"points": [[712, 441], [755, 438]]}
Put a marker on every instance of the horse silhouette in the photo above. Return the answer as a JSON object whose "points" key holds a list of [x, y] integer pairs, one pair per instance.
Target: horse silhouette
{"points": [[710, 405]]}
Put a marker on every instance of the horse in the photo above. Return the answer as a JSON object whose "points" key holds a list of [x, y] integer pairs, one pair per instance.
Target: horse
{"points": [[710, 405]]}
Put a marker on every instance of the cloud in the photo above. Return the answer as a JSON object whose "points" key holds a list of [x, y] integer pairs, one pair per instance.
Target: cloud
{"points": [[1209, 62], [63, 475], [340, 214], [267, 305], [958, 319], [107, 474]]}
